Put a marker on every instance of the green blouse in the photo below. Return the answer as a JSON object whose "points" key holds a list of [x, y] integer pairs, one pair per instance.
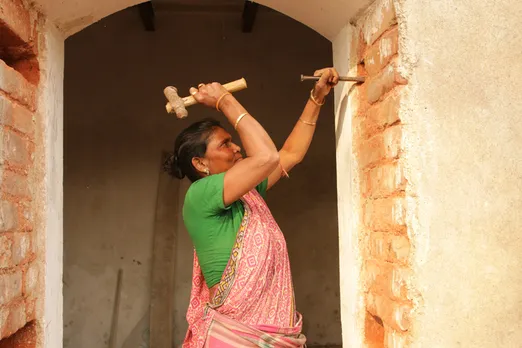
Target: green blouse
{"points": [[212, 226]]}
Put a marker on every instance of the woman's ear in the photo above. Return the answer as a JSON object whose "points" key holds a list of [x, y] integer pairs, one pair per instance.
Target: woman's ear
{"points": [[200, 164]]}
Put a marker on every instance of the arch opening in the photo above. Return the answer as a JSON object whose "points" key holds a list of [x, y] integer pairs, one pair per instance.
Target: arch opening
{"points": [[113, 147]]}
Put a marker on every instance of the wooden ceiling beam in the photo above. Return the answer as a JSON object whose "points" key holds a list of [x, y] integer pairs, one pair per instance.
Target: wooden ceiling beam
{"points": [[249, 15], [147, 15]]}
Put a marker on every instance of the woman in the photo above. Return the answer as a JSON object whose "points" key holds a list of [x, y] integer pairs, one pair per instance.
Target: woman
{"points": [[242, 292]]}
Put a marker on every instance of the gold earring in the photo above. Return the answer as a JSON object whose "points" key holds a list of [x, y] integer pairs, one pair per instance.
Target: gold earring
{"points": [[207, 171]]}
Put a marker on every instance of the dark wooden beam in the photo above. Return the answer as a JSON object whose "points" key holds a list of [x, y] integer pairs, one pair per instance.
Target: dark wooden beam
{"points": [[249, 15], [147, 15]]}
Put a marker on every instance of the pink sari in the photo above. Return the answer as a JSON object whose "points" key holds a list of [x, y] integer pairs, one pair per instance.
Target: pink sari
{"points": [[254, 303]]}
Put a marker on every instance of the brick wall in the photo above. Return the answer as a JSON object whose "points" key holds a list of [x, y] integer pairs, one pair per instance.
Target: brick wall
{"points": [[377, 135], [21, 271]]}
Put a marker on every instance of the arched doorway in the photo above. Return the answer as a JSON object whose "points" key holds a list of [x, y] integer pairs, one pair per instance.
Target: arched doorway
{"points": [[113, 148]]}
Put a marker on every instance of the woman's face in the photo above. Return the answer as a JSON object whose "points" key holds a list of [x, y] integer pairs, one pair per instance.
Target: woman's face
{"points": [[221, 153]]}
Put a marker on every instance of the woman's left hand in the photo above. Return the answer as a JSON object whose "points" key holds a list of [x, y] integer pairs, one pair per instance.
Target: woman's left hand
{"points": [[329, 78]]}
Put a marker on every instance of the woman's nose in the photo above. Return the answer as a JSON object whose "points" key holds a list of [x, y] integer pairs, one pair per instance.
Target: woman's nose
{"points": [[237, 148]]}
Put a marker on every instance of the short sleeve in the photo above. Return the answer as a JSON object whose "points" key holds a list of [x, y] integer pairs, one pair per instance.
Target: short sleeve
{"points": [[206, 195], [261, 188]]}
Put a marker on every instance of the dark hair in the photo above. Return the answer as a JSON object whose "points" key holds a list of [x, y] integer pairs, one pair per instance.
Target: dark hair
{"points": [[191, 142]]}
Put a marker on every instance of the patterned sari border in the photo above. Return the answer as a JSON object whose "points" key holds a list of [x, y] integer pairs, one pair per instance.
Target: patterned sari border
{"points": [[229, 275]]}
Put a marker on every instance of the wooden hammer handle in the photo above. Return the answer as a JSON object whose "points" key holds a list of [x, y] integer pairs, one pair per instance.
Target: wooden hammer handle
{"points": [[232, 87]]}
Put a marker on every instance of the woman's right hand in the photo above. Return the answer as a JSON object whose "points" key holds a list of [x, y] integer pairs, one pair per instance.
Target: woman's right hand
{"points": [[208, 94]]}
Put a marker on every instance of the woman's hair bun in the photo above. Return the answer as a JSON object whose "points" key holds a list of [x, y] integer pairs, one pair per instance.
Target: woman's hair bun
{"points": [[171, 166]]}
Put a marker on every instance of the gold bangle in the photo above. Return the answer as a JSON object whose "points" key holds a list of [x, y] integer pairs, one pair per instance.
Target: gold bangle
{"points": [[313, 99], [219, 100], [284, 172], [308, 123], [239, 119]]}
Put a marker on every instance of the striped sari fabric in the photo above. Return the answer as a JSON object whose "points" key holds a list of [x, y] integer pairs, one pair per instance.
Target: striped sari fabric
{"points": [[254, 304]]}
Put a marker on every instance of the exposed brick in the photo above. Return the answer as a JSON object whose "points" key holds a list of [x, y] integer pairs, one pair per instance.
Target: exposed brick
{"points": [[381, 115], [16, 116], [39, 306], [378, 275], [395, 314], [31, 278], [358, 45], [399, 248], [4, 314], [372, 272], [5, 251], [385, 145], [2, 136], [389, 247], [30, 308], [394, 338], [385, 180], [14, 17], [385, 214], [16, 185], [381, 19], [10, 287], [373, 331], [16, 319], [359, 109], [16, 149], [24, 338], [29, 68], [382, 83], [380, 53], [21, 247], [14, 84], [26, 225], [8, 216], [387, 279], [379, 245], [401, 283]]}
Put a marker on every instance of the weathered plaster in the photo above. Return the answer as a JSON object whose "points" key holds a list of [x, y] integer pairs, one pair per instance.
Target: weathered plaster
{"points": [[327, 18], [463, 150], [74, 15], [51, 111], [347, 193]]}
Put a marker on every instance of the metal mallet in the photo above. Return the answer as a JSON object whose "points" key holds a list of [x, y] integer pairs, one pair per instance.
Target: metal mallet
{"points": [[341, 78]]}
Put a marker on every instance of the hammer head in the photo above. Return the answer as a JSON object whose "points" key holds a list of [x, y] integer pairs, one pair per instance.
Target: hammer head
{"points": [[176, 104]]}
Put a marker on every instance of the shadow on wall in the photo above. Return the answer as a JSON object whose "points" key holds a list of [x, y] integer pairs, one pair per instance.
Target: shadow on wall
{"points": [[342, 115]]}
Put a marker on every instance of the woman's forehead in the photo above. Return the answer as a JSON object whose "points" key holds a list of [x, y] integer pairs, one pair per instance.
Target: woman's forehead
{"points": [[219, 134]]}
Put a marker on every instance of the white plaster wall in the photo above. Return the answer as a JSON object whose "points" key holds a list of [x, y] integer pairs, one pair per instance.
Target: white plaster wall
{"points": [[347, 192], [51, 110], [465, 154]]}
